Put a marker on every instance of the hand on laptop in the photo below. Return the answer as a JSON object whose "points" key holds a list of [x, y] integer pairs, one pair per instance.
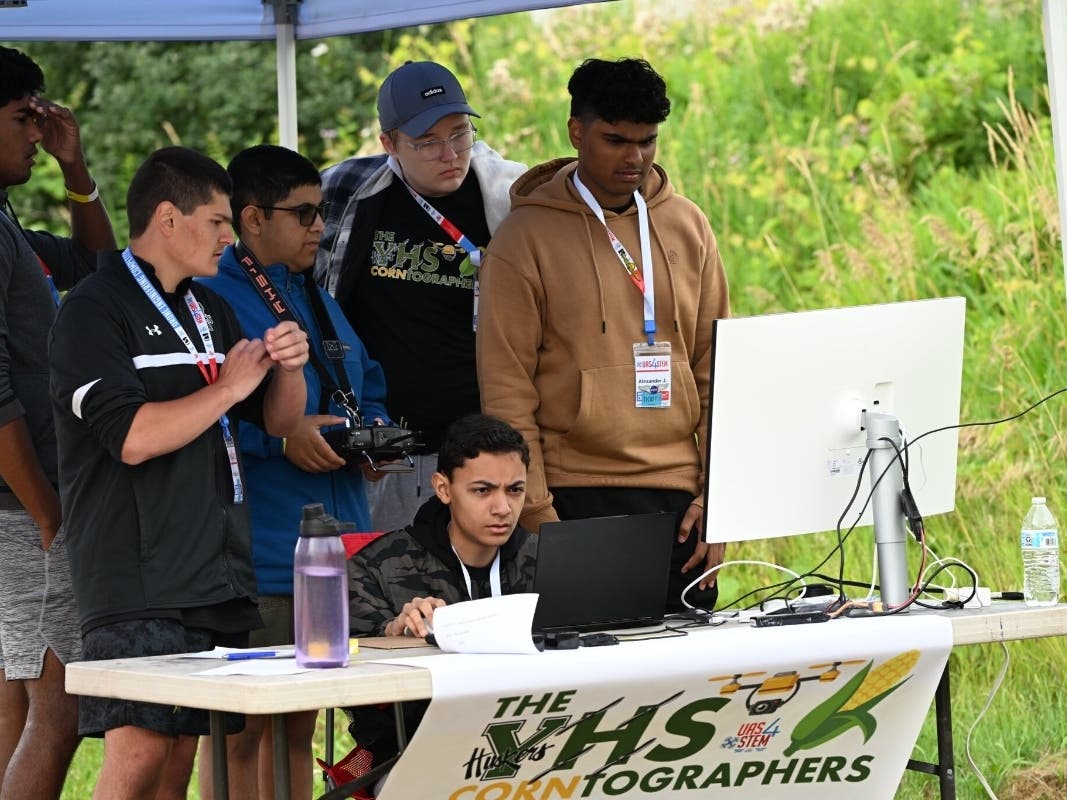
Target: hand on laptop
{"points": [[415, 618]]}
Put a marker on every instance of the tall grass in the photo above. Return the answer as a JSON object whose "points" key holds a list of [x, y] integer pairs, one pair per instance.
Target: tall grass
{"points": [[849, 152]]}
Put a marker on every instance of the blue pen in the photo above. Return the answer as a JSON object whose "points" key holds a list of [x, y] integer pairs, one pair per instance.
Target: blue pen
{"points": [[250, 655]]}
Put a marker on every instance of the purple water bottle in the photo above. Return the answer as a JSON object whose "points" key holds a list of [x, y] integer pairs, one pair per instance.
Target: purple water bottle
{"points": [[320, 591]]}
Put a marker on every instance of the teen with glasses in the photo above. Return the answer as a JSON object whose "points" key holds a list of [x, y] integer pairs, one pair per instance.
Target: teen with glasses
{"points": [[306, 213], [267, 277], [400, 253]]}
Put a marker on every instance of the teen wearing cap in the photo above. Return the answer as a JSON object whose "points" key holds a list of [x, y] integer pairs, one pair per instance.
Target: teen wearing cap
{"points": [[598, 294], [400, 254]]}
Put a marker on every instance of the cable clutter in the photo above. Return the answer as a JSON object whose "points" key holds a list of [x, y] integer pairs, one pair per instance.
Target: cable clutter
{"points": [[790, 601]]}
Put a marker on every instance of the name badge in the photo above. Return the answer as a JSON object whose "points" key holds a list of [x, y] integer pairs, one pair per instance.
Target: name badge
{"points": [[652, 374]]}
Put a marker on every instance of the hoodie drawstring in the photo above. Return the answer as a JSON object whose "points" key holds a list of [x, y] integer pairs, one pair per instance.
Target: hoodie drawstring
{"points": [[599, 281]]}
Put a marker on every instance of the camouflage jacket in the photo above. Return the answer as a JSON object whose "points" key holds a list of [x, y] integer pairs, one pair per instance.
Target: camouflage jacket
{"points": [[418, 561]]}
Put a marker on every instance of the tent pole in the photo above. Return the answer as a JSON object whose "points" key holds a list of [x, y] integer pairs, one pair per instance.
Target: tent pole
{"points": [[285, 12], [1054, 13]]}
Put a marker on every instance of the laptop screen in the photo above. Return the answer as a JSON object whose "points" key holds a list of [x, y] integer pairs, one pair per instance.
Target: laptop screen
{"points": [[604, 572]]}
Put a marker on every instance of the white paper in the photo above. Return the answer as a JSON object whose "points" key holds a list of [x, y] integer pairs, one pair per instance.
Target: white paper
{"points": [[490, 625], [256, 666], [226, 652]]}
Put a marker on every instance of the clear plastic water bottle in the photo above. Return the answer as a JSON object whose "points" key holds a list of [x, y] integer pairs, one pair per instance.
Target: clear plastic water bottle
{"points": [[320, 591], [1040, 544]]}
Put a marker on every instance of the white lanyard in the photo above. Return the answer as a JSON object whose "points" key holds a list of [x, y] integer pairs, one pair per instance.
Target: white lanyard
{"points": [[645, 283], [206, 362], [494, 576]]}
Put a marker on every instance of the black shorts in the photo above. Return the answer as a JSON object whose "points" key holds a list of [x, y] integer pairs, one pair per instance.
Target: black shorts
{"points": [[149, 637]]}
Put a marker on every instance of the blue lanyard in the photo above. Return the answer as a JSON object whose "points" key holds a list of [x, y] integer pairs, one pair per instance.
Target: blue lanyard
{"points": [[208, 365]]}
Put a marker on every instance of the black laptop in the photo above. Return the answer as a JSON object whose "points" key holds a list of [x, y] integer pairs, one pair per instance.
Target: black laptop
{"points": [[603, 573]]}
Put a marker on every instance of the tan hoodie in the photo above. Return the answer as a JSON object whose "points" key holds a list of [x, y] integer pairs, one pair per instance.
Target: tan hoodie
{"points": [[558, 319]]}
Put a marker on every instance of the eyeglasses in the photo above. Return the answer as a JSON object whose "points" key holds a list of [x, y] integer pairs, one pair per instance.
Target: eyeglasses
{"points": [[434, 148], [306, 213]]}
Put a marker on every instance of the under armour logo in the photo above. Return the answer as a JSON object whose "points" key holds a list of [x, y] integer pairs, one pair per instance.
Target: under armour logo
{"points": [[153, 330]]}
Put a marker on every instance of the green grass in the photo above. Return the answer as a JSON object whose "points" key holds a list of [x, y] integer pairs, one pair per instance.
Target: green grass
{"points": [[860, 151], [82, 776]]}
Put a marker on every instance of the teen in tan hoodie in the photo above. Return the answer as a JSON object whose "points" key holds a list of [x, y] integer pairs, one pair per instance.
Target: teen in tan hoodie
{"points": [[560, 315]]}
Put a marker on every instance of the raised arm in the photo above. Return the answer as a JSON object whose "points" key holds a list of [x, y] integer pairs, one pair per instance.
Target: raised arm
{"points": [[89, 223]]}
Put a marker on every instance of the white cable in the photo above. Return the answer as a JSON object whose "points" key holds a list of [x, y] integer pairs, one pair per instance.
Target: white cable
{"points": [[936, 561], [717, 567], [948, 563], [989, 701], [874, 571]]}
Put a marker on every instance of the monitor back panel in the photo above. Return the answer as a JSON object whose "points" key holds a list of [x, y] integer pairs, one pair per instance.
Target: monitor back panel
{"points": [[785, 435], [604, 572]]}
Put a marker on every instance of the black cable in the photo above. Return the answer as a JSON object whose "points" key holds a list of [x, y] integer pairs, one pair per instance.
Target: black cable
{"points": [[841, 541], [783, 586], [947, 564], [907, 500], [902, 455], [666, 632], [988, 423], [908, 504]]}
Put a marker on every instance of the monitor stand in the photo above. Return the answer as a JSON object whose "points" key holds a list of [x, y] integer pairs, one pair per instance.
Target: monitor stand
{"points": [[890, 536]]}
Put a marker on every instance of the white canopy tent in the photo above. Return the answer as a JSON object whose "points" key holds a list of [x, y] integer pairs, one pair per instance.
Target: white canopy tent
{"points": [[285, 21]]}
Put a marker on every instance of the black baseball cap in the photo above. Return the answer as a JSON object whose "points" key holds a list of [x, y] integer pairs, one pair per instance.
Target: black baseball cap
{"points": [[418, 94]]}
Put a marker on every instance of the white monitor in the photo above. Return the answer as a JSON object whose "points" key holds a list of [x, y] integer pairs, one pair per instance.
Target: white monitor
{"points": [[788, 395]]}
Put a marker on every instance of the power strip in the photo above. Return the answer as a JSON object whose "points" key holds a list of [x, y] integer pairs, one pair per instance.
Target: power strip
{"points": [[982, 597], [801, 618]]}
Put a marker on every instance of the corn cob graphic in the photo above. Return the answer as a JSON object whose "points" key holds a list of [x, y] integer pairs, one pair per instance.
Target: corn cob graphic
{"points": [[850, 706]]}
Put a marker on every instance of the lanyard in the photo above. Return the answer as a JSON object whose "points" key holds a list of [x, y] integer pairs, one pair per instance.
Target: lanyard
{"points": [[447, 226], [210, 369], [644, 281], [340, 389], [494, 576], [51, 281], [10, 209]]}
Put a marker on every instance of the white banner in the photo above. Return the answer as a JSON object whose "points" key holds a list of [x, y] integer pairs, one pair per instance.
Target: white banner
{"points": [[822, 711]]}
